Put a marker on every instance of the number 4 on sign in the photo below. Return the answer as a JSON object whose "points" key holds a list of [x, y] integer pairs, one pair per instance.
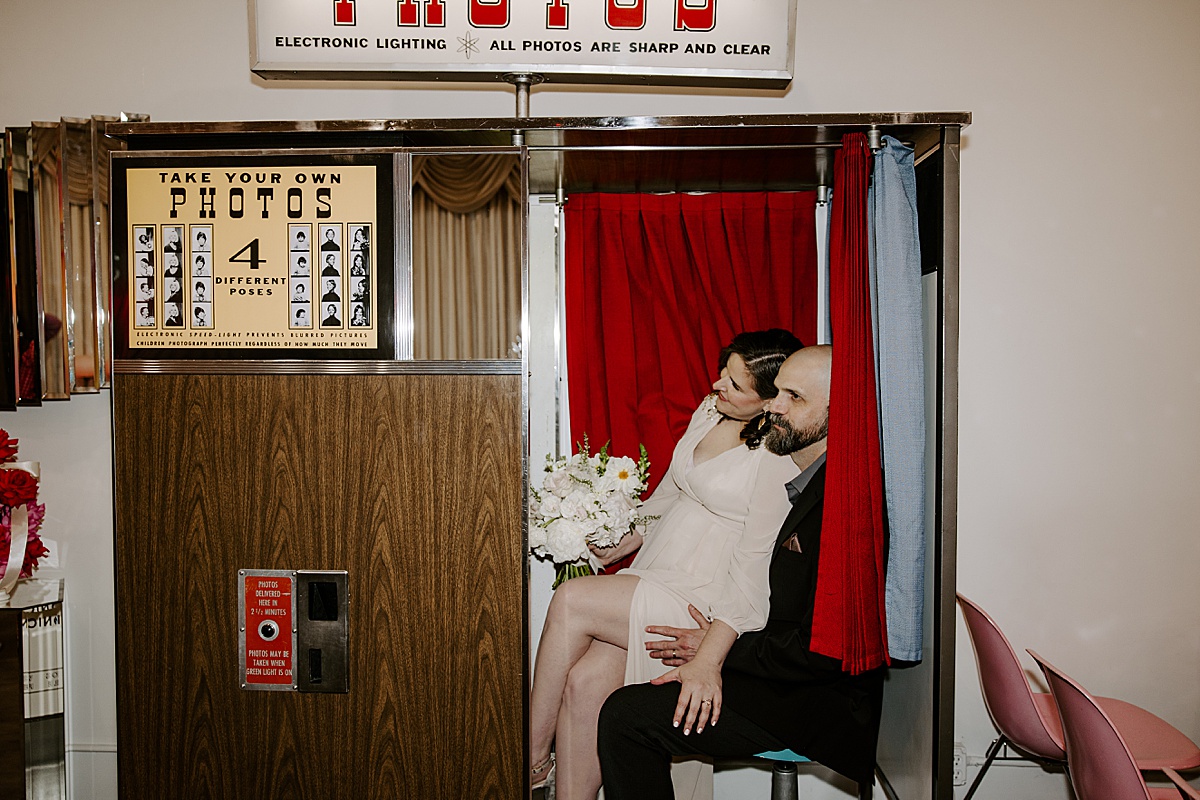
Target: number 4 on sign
{"points": [[253, 260]]}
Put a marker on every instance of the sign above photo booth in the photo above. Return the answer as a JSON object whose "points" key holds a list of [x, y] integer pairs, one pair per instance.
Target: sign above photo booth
{"points": [[667, 42]]}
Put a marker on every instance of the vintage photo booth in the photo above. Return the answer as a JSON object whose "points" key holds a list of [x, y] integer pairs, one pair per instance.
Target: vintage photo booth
{"points": [[399, 462]]}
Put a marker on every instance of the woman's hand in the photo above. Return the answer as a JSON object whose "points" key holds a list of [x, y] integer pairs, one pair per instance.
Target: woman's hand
{"points": [[630, 542], [699, 695], [684, 642]]}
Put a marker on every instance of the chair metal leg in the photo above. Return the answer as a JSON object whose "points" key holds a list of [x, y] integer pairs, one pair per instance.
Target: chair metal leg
{"points": [[987, 762], [783, 782], [888, 790]]}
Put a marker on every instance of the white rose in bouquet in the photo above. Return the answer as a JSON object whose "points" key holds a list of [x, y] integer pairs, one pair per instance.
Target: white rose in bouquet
{"points": [[565, 540], [558, 482]]}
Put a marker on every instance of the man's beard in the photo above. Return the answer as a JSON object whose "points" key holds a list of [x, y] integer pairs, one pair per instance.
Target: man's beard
{"points": [[786, 439]]}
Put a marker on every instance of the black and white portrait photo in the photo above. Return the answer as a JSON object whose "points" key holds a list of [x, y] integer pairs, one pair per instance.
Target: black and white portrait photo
{"points": [[300, 316], [331, 238], [201, 239], [202, 315], [298, 235]]}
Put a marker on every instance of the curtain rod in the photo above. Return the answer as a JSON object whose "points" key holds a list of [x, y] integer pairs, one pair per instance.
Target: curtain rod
{"points": [[697, 147], [687, 147]]}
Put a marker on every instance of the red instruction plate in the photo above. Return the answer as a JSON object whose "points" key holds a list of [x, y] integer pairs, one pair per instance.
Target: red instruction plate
{"points": [[268, 644]]}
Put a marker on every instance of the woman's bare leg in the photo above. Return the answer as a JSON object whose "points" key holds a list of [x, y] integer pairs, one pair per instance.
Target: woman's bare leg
{"points": [[595, 607], [594, 677]]}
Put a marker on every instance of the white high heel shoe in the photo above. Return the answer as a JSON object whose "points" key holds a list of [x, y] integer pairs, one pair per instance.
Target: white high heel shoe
{"points": [[542, 775]]}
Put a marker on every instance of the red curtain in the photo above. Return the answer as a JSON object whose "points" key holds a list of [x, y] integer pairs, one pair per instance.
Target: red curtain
{"points": [[849, 621], [656, 285]]}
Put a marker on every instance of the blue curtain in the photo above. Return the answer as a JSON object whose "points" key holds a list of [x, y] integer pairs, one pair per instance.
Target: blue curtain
{"points": [[895, 274]]}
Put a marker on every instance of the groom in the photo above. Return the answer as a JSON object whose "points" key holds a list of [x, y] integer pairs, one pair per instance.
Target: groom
{"points": [[777, 694]]}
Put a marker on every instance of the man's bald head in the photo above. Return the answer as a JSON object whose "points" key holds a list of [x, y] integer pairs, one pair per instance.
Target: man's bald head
{"points": [[799, 413]]}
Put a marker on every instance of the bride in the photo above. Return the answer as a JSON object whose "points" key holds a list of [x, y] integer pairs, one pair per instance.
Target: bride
{"points": [[719, 508]]}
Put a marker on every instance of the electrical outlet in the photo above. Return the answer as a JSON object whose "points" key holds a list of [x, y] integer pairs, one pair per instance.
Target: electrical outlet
{"points": [[960, 764]]}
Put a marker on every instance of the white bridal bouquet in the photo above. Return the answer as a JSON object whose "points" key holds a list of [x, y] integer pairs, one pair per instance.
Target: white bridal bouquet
{"points": [[585, 499]]}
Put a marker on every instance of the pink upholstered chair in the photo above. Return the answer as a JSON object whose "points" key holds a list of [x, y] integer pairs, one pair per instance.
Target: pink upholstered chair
{"points": [[1102, 767], [1029, 720]]}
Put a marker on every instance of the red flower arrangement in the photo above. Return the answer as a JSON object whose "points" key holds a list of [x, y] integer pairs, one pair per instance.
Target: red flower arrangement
{"points": [[19, 487]]}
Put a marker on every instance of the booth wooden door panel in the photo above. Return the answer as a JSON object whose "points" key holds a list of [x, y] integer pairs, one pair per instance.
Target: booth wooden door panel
{"points": [[411, 483]]}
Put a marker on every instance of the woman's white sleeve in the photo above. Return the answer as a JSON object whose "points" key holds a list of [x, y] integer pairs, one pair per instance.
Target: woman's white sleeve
{"points": [[747, 595]]}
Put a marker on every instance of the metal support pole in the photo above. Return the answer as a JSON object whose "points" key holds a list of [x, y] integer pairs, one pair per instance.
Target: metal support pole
{"points": [[522, 82]]}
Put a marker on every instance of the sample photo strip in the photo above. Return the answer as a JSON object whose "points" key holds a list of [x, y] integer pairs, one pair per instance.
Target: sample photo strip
{"points": [[331, 238], [301, 316], [300, 237], [201, 238], [144, 277], [202, 315]]}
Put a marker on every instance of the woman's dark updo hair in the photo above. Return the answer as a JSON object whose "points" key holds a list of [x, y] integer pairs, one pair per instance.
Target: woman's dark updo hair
{"points": [[762, 352]]}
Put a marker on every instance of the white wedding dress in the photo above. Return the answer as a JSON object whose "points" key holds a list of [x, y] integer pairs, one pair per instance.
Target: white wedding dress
{"points": [[710, 547]]}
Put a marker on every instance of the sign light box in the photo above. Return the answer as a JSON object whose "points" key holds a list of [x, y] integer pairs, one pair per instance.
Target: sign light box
{"points": [[691, 42]]}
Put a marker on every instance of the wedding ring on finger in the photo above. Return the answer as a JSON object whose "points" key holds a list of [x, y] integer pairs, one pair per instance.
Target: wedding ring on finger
{"points": [[706, 702]]}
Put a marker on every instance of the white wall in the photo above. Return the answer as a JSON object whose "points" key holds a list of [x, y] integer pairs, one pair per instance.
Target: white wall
{"points": [[1079, 446]]}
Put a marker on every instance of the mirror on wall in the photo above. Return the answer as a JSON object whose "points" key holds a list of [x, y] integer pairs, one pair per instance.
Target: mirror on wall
{"points": [[102, 147], [45, 162], [21, 257], [8, 314], [77, 171], [467, 228]]}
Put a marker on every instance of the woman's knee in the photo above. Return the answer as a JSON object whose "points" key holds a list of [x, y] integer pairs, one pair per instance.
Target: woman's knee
{"points": [[588, 683], [564, 603], [576, 598]]}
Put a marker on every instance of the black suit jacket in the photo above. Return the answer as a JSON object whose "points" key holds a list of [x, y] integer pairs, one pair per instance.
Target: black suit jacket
{"points": [[772, 677]]}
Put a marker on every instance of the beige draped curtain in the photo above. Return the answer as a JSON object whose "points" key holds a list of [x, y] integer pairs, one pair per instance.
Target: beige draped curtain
{"points": [[466, 256]]}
